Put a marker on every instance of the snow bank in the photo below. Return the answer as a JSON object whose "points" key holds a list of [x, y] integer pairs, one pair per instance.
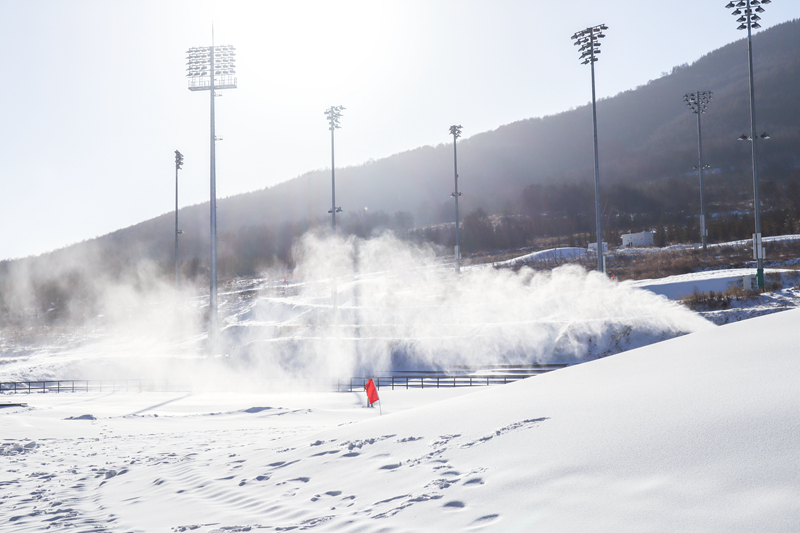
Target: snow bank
{"points": [[554, 255], [680, 286]]}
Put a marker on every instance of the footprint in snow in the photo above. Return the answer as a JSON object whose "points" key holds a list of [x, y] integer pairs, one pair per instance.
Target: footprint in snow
{"points": [[454, 505], [257, 409], [82, 417], [332, 493], [484, 521]]}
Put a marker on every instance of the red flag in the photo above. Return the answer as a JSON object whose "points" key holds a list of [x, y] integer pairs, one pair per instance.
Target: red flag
{"points": [[372, 393]]}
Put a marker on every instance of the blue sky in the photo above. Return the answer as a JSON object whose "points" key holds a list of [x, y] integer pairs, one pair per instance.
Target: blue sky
{"points": [[96, 99]]}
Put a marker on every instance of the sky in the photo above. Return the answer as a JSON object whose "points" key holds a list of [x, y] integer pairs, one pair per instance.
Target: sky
{"points": [[96, 99]]}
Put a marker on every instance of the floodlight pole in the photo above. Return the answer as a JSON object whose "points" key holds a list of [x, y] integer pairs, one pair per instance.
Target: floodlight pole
{"points": [[334, 113], [598, 214], [703, 231], [205, 65], [697, 103], [178, 165], [333, 183], [754, 148], [749, 20], [455, 131], [588, 42], [213, 318]]}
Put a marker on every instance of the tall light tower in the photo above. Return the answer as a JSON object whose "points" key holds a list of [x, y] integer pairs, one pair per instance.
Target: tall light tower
{"points": [[697, 103], [455, 131], [588, 41], [178, 166], [747, 11], [212, 68], [334, 113]]}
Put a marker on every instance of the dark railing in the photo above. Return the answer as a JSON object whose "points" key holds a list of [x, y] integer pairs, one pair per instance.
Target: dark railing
{"points": [[454, 376], [457, 376], [88, 385]]}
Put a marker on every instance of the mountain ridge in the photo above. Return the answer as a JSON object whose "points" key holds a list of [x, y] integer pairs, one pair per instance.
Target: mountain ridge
{"points": [[645, 133]]}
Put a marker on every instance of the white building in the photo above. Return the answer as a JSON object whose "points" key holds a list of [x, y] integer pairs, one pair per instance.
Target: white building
{"points": [[644, 238], [593, 247]]}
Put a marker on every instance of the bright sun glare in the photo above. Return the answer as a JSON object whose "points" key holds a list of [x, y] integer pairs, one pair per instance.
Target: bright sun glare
{"points": [[305, 45]]}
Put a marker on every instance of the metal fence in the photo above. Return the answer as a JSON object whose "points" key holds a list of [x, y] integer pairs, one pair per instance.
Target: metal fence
{"points": [[89, 385], [457, 376]]}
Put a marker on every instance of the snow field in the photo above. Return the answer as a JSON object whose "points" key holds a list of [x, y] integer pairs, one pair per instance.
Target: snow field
{"points": [[698, 433]]}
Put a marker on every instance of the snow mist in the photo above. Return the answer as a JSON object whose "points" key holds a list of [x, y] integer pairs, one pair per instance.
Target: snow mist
{"points": [[355, 307], [377, 305]]}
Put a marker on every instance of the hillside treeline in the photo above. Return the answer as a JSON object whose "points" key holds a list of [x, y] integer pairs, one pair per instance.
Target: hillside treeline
{"points": [[73, 284]]}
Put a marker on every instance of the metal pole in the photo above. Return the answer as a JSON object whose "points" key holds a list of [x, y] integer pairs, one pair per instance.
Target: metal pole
{"points": [[600, 266], [754, 139], [176, 224], [700, 166], [455, 170], [212, 312], [333, 184]]}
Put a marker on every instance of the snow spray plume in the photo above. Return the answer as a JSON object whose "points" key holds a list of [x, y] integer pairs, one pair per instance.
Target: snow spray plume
{"points": [[79, 313], [399, 308], [396, 307]]}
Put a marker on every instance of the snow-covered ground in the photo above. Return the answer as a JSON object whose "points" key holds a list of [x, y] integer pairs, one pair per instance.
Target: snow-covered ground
{"points": [[680, 286], [697, 433], [679, 425], [557, 256]]}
